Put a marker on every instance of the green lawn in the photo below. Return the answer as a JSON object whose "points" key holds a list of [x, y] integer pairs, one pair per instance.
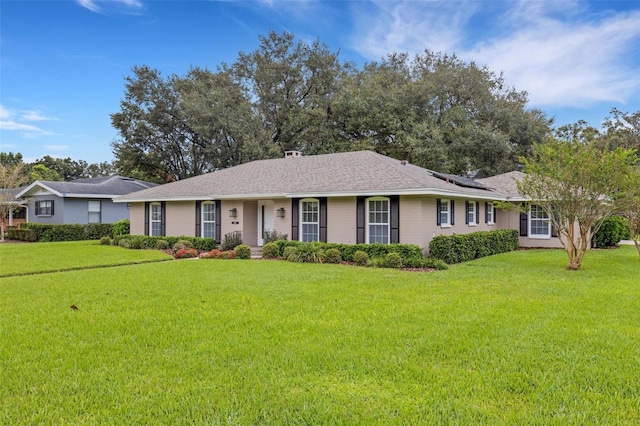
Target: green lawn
{"points": [[511, 339], [21, 259]]}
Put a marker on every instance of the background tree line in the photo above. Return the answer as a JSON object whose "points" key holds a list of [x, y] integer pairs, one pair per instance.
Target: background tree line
{"points": [[54, 169], [433, 110]]}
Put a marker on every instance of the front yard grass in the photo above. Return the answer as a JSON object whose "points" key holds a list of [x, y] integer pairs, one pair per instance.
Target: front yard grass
{"points": [[31, 258], [510, 339]]}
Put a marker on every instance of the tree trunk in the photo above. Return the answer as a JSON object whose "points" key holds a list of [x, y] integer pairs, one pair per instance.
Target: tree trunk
{"points": [[576, 250], [637, 243]]}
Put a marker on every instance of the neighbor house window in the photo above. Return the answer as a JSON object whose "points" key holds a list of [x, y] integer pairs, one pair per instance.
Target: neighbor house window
{"points": [[44, 208], [95, 211], [378, 220], [209, 219], [445, 213], [489, 213], [309, 220], [155, 219], [539, 226]]}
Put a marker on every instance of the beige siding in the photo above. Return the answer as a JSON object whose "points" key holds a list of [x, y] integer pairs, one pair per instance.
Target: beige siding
{"points": [[282, 225], [231, 224], [136, 216], [418, 220], [412, 224], [181, 218], [512, 219], [250, 223], [341, 220]]}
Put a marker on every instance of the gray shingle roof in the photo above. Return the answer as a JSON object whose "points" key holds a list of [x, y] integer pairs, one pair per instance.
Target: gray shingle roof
{"points": [[504, 183], [347, 173], [107, 186]]}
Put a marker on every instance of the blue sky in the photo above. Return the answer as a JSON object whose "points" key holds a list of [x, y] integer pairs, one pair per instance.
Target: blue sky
{"points": [[63, 63]]}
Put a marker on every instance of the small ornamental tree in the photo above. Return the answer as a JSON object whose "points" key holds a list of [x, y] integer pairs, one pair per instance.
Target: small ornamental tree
{"points": [[12, 177], [577, 184]]}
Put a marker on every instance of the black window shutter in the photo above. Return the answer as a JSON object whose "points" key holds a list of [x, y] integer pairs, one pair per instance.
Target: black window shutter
{"points": [[453, 213], [323, 219], [395, 218], [360, 213], [523, 225], [295, 219], [163, 218], [146, 219], [198, 219], [52, 204], [466, 212], [553, 231], [218, 235], [438, 208], [37, 208], [486, 212], [477, 212], [495, 218]]}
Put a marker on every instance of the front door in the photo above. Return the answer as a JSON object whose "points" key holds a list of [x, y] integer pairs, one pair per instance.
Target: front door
{"points": [[265, 219]]}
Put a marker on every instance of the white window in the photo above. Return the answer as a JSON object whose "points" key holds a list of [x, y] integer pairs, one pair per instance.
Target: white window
{"points": [[539, 225], [309, 220], [378, 220], [490, 218], [208, 219], [445, 214], [471, 213], [95, 212], [44, 208], [155, 219]]}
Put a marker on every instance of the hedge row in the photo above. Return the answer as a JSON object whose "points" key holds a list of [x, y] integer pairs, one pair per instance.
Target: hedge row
{"points": [[149, 242], [465, 247], [72, 232], [406, 251], [21, 235]]}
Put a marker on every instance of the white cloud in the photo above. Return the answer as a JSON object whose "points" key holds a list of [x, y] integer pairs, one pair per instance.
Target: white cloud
{"points": [[17, 121], [34, 115], [98, 6], [411, 26], [557, 51]]}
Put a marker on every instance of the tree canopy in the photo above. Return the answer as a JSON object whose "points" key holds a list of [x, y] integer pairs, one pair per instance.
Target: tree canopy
{"points": [[434, 110]]}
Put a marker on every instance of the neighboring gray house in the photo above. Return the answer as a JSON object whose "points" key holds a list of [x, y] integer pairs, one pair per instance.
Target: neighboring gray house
{"points": [[80, 201]]}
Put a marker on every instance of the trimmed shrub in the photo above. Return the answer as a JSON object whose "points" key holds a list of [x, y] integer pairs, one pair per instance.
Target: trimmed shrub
{"points": [[393, 260], [464, 247], [332, 255], [95, 231], [431, 263], [270, 251], [28, 235], [218, 254], [105, 241], [307, 253], [360, 258], [46, 232], [181, 244], [611, 232], [232, 240], [162, 245], [288, 252], [121, 227], [377, 262], [185, 253], [242, 252]]}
